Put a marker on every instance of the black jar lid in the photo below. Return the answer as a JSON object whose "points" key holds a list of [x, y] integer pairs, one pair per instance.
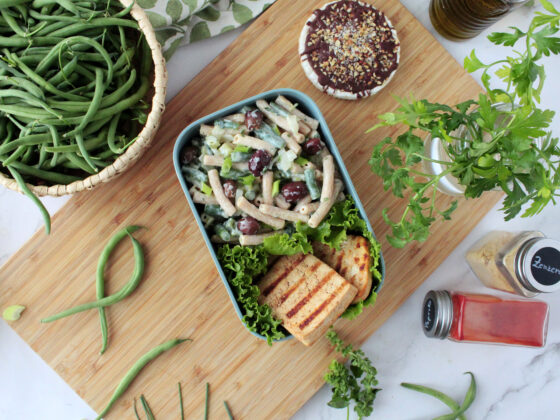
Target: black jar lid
{"points": [[437, 313], [537, 265]]}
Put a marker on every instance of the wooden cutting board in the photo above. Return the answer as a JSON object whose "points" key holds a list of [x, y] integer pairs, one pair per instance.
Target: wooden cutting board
{"points": [[181, 294]]}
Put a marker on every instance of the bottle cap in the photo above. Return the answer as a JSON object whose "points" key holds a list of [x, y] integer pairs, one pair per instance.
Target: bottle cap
{"points": [[437, 313], [537, 265]]}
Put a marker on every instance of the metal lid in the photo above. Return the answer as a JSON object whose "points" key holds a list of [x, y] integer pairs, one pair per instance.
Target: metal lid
{"points": [[437, 313], [537, 265]]}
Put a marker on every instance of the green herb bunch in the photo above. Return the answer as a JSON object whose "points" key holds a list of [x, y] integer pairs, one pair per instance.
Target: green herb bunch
{"points": [[498, 141], [355, 383]]}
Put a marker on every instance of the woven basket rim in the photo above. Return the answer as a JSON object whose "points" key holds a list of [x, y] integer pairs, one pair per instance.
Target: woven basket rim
{"points": [[145, 136]]}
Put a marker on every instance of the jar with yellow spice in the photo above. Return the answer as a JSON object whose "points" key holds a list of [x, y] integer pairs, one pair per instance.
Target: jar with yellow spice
{"points": [[525, 263]]}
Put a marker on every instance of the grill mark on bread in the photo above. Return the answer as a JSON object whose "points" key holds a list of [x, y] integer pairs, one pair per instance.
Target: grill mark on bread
{"points": [[322, 306], [291, 290], [339, 260], [310, 295], [268, 289]]}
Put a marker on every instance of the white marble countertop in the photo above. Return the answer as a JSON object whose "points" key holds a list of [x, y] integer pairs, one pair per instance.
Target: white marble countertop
{"points": [[513, 383]]}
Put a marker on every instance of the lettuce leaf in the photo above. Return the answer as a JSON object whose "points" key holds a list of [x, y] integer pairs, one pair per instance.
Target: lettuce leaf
{"points": [[286, 244], [241, 265]]}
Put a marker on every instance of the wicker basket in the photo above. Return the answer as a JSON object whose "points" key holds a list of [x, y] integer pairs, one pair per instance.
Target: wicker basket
{"points": [[145, 136]]}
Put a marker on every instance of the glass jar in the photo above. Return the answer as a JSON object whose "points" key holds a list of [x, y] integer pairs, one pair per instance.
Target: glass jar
{"points": [[464, 19], [525, 263], [484, 319]]}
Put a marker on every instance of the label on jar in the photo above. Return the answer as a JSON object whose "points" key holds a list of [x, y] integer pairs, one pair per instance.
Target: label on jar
{"points": [[545, 266], [429, 314]]}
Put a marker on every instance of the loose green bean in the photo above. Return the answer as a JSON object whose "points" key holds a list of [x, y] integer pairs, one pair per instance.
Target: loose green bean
{"points": [[228, 411], [135, 370], [147, 409], [181, 401], [100, 278], [125, 291], [23, 186], [206, 401]]}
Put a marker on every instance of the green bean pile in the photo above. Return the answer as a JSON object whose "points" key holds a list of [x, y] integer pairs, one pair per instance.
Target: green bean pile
{"points": [[73, 78]]}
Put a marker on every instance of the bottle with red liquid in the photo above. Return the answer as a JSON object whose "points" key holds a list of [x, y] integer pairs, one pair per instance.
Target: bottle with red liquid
{"points": [[484, 319]]}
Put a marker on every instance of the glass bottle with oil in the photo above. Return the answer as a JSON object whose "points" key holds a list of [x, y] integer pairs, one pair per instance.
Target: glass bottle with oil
{"points": [[464, 19]]}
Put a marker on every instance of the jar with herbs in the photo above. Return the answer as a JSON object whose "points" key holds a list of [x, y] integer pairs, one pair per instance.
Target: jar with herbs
{"points": [[525, 263]]}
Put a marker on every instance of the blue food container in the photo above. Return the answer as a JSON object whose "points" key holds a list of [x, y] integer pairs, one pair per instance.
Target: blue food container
{"points": [[306, 105]]}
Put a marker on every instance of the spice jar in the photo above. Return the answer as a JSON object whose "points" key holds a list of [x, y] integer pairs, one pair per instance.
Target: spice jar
{"points": [[484, 319], [463, 19], [525, 263]]}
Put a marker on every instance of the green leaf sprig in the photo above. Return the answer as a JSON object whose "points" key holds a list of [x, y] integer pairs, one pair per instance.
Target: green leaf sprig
{"points": [[499, 141], [355, 383], [458, 410]]}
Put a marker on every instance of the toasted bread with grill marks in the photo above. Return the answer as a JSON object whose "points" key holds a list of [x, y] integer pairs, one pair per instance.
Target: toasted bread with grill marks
{"points": [[352, 262], [306, 295]]}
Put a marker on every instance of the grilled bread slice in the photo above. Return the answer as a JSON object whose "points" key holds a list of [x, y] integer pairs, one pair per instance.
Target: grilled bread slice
{"points": [[306, 295], [352, 262]]}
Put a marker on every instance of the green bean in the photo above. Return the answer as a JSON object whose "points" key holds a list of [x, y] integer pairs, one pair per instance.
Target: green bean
{"points": [[93, 107], [135, 410], [206, 401], [125, 291], [214, 210], [147, 409], [12, 23], [228, 411], [222, 232], [30, 140], [77, 162], [38, 79], [111, 135], [311, 183], [51, 27], [64, 72], [10, 3], [67, 4], [181, 401], [42, 156], [124, 11], [135, 370], [51, 176], [18, 41], [23, 186], [79, 27], [266, 133], [24, 84], [240, 156], [19, 154], [29, 98], [469, 398], [194, 174], [100, 279]]}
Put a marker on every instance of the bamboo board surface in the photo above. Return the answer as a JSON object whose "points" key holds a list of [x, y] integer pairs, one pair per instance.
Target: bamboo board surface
{"points": [[181, 294]]}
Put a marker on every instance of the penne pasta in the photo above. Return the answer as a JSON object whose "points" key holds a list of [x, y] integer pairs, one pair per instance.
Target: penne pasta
{"points": [[245, 240], [254, 143], [288, 215], [291, 142], [239, 118], [267, 180], [286, 104], [206, 130], [328, 178], [309, 208], [223, 201], [215, 160], [325, 206], [281, 202], [304, 201], [282, 121], [253, 211], [200, 198]]}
